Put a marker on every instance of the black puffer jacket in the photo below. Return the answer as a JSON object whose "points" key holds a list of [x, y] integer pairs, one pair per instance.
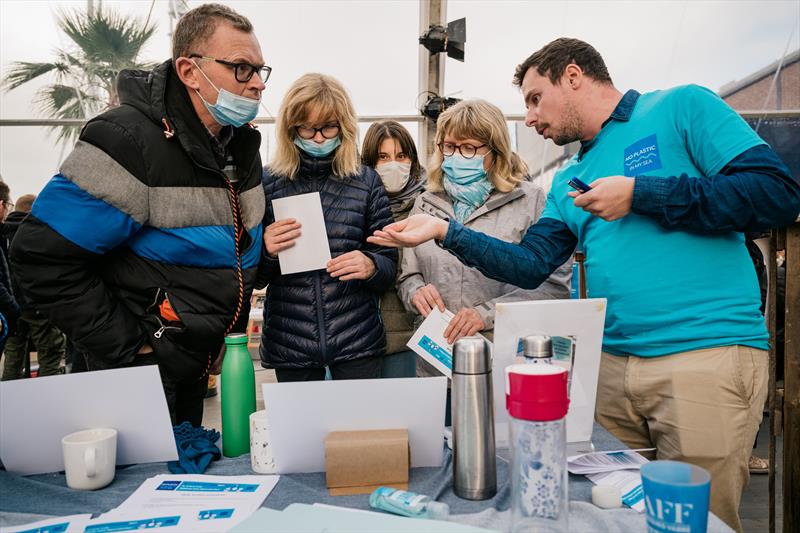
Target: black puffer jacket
{"points": [[310, 318], [140, 213]]}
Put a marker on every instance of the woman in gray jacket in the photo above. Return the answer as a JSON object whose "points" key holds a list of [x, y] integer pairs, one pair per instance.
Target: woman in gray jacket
{"points": [[475, 177]]}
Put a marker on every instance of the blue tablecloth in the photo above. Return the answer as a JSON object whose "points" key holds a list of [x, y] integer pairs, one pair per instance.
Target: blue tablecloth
{"points": [[25, 499]]}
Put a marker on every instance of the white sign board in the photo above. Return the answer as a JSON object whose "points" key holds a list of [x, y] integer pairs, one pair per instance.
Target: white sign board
{"points": [[36, 413], [300, 416], [583, 320]]}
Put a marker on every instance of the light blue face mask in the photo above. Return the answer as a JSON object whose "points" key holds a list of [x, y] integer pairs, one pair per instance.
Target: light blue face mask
{"points": [[463, 171], [465, 182], [316, 149], [230, 109]]}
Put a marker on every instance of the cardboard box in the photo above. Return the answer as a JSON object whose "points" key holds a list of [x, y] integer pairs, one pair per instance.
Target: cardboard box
{"points": [[358, 462]]}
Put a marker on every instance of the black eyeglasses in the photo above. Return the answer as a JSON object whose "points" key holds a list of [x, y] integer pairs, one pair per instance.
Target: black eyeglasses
{"points": [[243, 71], [329, 131], [466, 150]]}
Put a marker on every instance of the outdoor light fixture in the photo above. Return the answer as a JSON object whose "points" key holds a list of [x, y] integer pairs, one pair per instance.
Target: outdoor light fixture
{"points": [[451, 40], [436, 104]]}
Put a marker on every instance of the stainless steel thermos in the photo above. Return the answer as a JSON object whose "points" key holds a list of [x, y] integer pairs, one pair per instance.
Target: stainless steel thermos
{"points": [[474, 460]]}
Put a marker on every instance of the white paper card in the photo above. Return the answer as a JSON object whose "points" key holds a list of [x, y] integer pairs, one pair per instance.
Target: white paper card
{"points": [[36, 413], [583, 320], [430, 344], [596, 462], [311, 250], [188, 502], [302, 414], [62, 524]]}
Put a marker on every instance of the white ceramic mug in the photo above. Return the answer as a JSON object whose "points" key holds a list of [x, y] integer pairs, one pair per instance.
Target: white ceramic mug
{"points": [[261, 459], [90, 458]]}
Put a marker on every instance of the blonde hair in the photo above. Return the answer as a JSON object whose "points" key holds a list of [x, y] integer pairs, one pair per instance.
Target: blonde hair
{"points": [[484, 122], [324, 94]]}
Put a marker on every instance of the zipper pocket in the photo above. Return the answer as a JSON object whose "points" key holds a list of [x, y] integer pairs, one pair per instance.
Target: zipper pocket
{"points": [[162, 328]]}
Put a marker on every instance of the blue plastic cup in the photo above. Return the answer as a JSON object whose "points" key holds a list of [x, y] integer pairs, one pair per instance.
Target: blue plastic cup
{"points": [[676, 497]]}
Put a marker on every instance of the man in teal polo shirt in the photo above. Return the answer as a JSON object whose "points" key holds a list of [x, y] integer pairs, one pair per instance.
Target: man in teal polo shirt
{"points": [[675, 176]]}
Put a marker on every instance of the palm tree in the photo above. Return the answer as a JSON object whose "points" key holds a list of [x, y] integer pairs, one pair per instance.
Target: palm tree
{"points": [[103, 43]]}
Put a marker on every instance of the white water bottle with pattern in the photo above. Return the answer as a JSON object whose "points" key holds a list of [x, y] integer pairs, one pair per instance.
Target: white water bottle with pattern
{"points": [[536, 399]]}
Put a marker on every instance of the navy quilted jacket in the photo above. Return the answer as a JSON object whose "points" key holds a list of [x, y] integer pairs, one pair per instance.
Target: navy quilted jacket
{"points": [[310, 318]]}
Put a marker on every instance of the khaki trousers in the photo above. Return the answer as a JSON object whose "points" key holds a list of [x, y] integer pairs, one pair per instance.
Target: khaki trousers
{"points": [[703, 407]]}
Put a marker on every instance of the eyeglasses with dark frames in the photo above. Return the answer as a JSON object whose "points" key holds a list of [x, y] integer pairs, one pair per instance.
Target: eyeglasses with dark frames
{"points": [[329, 131], [242, 70], [466, 150]]}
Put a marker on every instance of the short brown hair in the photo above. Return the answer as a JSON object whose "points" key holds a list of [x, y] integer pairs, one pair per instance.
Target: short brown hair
{"points": [[198, 25], [554, 57], [389, 129], [25, 203]]}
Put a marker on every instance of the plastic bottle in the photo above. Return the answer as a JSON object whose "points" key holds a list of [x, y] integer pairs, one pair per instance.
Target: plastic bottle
{"points": [[537, 401], [238, 396], [407, 503]]}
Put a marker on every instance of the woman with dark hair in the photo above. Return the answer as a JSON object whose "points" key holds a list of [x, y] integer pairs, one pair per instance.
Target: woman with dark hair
{"points": [[390, 150]]}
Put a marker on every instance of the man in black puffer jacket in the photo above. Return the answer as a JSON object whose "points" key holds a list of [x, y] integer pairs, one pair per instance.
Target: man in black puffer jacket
{"points": [[144, 247]]}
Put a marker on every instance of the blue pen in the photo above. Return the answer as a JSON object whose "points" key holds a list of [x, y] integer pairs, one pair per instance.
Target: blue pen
{"points": [[578, 185]]}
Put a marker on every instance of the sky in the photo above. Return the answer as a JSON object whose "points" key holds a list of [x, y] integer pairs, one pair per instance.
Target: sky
{"points": [[371, 46]]}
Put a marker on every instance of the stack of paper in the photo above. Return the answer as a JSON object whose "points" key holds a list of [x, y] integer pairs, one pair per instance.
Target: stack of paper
{"points": [[616, 468], [596, 462], [299, 517], [187, 502]]}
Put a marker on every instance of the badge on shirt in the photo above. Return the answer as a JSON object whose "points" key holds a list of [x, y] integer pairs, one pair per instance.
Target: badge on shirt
{"points": [[642, 156]]}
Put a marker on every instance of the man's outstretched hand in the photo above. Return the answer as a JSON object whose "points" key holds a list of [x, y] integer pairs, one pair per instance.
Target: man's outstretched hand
{"points": [[410, 232]]}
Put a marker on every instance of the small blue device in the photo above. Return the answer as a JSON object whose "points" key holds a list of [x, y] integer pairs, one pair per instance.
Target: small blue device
{"points": [[578, 185]]}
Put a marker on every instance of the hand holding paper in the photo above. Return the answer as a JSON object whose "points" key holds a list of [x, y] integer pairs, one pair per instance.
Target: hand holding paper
{"points": [[281, 235], [466, 323], [299, 252]]}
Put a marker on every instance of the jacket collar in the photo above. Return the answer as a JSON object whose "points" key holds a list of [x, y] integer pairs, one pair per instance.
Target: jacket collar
{"points": [[621, 113], [164, 98], [441, 201], [315, 167]]}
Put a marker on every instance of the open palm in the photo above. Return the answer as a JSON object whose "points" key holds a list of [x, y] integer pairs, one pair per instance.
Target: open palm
{"points": [[410, 232]]}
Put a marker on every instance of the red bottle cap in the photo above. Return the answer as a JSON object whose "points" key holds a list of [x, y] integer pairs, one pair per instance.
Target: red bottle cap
{"points": [[537, 392]]}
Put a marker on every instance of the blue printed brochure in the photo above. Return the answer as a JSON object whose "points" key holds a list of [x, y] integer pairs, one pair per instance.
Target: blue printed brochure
{"points": [[429, 341]]}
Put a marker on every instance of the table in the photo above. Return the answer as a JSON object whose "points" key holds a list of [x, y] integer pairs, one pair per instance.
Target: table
{"points": [[26, 499]]}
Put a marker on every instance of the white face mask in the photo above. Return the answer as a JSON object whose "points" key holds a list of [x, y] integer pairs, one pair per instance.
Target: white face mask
{"points": [[394, 175]]}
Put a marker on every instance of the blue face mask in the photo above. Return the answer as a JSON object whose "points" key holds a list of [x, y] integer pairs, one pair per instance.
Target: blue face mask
{"points": [[463, 171], [315, 149], [230, 109], [465, 182]]}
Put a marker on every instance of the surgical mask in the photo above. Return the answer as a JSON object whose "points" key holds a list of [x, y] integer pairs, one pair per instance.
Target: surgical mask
{"points": [[465, 182], [230, 109], [463, 171], [394, 175], [317, 149]]}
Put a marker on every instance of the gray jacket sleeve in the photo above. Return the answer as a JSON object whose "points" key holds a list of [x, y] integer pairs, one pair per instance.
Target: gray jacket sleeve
{"points": [[410, 279]]}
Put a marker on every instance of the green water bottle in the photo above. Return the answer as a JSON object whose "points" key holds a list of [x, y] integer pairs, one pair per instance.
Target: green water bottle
{"points": [[238, 396]]}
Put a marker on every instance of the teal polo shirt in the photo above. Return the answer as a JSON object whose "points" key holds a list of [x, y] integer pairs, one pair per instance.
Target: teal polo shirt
{"points": [[668, 291]]}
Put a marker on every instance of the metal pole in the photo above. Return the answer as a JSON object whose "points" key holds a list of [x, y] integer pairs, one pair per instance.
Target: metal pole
{"points": [[431, 71]]}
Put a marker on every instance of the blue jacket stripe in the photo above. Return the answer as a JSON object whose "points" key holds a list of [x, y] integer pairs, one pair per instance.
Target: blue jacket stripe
{"points": [[197, 246], [79, 217]]}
